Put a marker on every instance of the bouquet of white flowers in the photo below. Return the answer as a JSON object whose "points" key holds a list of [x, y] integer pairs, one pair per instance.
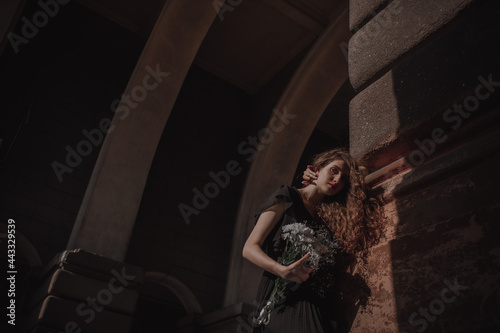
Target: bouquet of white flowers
{"points": [[300, 239]]}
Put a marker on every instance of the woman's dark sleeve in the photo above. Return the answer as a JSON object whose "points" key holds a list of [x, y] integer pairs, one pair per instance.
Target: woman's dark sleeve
{"points": [[273, 244], [280, 195]]}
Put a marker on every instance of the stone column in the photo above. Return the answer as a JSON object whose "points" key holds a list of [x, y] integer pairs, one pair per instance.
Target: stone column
{"points": [[108, 211], [425, 121]]}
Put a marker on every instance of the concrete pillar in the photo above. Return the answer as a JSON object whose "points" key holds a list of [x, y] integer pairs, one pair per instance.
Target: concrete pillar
{"points": [[107, 215], [309, 92]]}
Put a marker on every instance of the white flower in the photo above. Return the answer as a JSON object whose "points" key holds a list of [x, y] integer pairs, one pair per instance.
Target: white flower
{"points": [[299, 236], [320, 246]]}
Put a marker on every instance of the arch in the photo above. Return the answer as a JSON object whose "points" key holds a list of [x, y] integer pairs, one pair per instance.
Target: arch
{"points": [[108, 212], [314, 84], [176, 287]]}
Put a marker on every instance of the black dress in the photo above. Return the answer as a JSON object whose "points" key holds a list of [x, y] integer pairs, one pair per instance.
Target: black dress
{"points": [[307, 306]]}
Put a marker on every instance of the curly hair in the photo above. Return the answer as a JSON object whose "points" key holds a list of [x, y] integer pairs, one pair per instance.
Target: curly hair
{"points": [[356, 220]]}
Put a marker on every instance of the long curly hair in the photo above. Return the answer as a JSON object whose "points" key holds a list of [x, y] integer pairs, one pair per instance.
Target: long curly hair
{"points": [[356, 220]]}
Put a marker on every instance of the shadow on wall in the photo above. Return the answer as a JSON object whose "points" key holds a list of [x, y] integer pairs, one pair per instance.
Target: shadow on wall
{"points": [[444, 250], [353, 294]]}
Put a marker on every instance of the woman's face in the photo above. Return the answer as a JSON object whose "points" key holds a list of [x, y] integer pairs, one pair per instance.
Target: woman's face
{"points": [[333, 177]]}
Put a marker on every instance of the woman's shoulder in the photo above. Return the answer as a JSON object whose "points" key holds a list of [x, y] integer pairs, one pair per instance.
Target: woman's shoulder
{"points": [[283, 194], [286, 191]]}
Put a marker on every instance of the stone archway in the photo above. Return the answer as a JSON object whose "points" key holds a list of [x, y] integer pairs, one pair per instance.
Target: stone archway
{"points": [[301, 105], [163, 302], [107, 215], [176, 287]]}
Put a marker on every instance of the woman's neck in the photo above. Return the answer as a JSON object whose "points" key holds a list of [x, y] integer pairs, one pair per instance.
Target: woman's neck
{"points": [[312, 195]]}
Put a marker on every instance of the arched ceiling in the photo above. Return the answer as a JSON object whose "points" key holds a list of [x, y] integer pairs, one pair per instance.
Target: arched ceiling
{"points": [[249, 41]]}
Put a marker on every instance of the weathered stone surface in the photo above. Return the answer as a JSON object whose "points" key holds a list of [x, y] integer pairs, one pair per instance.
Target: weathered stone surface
{"points": [[466, 191], [439, 269], [62, 284], [442, 187], [394, 32], [65, 315], [409, 101], [441, 228], [360, 11]]}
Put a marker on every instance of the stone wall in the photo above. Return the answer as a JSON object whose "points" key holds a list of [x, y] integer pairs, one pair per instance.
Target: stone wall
{"points": [[425, 121]]}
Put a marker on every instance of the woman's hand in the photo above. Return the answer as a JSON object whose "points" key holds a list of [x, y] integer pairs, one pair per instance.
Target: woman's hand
{"points": [[297, 272], [309, 176]]}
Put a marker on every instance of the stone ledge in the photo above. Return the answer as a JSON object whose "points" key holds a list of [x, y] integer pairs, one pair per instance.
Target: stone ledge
{"points": [[92, 265], [61, 293], [455, 183], [386, 181]]}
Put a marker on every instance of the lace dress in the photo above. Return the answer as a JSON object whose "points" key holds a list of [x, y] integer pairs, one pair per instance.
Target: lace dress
{"points": [[307, 306]]}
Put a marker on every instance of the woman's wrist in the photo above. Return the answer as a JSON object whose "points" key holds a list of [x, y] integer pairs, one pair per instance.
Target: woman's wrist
{"points": [[279, 269]]}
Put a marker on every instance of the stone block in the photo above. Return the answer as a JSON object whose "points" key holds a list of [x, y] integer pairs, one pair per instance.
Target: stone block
{"points": [[396, 31], [411, 99], [233, 318], [111, 295], [95, 266], [454, 183], [360, 11]]}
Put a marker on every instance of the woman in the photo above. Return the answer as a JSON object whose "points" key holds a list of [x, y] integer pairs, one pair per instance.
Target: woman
{"points": [[334, 209]]}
